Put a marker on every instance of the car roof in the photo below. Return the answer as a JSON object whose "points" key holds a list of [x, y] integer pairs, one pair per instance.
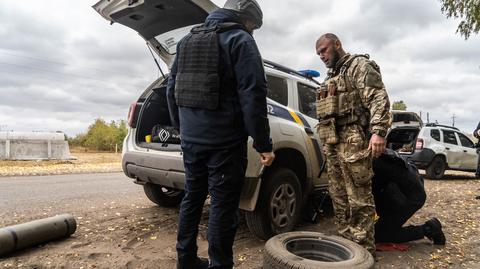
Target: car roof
{"points": [[277, 69]]}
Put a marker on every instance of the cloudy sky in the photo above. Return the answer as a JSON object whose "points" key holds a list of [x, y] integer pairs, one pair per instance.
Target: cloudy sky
{"points": [[62, 65]]}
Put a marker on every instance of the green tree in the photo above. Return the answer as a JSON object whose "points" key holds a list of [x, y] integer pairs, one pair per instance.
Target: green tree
{"points": [[466, 10], [399, 105], [101, 136]]}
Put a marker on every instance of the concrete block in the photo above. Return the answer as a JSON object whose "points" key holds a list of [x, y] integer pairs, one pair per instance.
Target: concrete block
{"points": [[38, 146]]}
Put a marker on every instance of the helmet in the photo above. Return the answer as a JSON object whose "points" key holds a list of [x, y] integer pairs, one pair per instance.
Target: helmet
{"points": [[246, 9]]}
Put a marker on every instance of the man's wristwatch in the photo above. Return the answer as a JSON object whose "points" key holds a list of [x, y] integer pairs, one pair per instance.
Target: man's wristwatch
{"points": [[379, 132]]}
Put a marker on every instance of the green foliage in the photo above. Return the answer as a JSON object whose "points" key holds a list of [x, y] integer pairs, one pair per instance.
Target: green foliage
{"points": [[102, 136], [469, 13], [399, 105]]}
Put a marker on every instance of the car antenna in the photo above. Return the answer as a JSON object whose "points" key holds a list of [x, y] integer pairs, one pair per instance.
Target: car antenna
{"points": [[156, 62]]}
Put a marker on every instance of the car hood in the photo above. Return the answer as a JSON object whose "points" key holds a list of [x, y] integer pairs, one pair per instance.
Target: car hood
{"points": [[162, 23]]}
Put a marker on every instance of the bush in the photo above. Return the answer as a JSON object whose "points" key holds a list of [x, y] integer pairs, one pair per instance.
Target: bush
{"points": [[101, 136]]}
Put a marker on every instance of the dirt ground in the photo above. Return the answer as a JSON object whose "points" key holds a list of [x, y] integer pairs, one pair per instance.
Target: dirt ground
{"points": [[137, 234]]}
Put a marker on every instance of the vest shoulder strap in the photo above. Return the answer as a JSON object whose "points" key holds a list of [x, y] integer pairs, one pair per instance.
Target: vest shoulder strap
{"points": [[218, 28], [347, 64]]}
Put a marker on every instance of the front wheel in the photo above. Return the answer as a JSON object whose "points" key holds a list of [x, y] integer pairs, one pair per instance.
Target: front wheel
{"points": [[278, 207], [163, 196], [436, 169]]}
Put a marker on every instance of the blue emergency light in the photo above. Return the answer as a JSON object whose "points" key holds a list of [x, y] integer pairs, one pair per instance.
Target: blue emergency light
{"points": [[309, 73]]}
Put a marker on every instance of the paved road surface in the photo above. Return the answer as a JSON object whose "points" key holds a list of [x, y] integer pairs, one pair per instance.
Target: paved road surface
{"points": [[64, 193]]}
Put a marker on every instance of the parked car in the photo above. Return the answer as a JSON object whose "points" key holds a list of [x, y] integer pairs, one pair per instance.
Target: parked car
{"points": [[272, 199], [432, 147], [440, 147]]}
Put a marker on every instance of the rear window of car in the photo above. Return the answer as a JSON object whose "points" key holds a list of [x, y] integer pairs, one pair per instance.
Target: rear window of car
{"points": [[277, 89], [435, 134], [449, 137], [403, 117], [307, 98], [465, 141]]}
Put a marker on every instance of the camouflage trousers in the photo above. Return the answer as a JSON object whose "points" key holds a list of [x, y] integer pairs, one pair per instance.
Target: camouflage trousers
{"points": [[350, 175]]}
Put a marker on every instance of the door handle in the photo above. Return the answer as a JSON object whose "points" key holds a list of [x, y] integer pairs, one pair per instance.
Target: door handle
{"points": [[464, 150], [447, 148]]}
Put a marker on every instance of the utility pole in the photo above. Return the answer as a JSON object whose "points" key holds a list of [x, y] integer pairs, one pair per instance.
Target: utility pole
{"points": [[428, 117], [453, 120]]}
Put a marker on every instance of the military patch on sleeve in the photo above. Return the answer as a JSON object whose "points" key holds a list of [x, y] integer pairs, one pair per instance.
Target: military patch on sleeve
{"points": [[373, 77]]}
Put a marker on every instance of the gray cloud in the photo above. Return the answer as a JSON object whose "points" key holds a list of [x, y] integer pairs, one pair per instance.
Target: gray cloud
{"points": [[63, 69]]}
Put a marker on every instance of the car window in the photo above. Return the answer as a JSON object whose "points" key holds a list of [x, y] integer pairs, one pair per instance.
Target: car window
{"points": [[170, 39], [277, 89], [465, 141], [449, 137], [435, 134], [306, 100], [403, 117]]}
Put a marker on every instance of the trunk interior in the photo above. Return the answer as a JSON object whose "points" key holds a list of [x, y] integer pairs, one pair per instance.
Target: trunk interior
{"points": [[403, 139], [155, 113]]}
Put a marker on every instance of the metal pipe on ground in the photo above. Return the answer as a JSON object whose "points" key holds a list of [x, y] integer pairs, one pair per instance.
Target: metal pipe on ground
{"points": [[20, 236]]}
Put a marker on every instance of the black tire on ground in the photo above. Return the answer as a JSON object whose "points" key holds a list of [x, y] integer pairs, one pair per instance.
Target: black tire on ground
{"points": [[163, 196], [312, 250], [436, 169], [278, 206]]}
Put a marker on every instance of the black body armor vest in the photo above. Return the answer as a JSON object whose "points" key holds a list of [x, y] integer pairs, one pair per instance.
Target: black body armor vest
{"points": [[197, 84]]}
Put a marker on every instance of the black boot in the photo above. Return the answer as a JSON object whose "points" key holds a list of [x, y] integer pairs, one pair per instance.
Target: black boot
{"points": [[433, 231], [198, 263]]}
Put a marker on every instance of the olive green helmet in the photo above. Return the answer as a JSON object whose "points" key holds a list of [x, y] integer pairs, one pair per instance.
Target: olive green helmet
{"points": [[246, 9]]}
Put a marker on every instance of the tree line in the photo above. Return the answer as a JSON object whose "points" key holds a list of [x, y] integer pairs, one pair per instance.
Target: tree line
{"points": [[101, 136]]}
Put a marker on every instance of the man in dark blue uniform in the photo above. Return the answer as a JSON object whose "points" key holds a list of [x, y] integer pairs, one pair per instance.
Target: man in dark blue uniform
{"points": [[399, 193], [217, 97]]}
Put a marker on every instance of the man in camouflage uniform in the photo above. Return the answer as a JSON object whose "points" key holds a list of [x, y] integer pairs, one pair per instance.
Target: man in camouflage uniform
{"points": [[358, 126]]}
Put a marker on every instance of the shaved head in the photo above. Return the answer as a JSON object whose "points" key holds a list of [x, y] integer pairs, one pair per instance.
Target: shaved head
{"points": [[329, 48], [329, 36]]}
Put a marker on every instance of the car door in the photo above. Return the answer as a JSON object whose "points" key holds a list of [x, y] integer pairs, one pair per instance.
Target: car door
{"points": [[453, 151], [306, 102], [470, 156], [162, 23]]}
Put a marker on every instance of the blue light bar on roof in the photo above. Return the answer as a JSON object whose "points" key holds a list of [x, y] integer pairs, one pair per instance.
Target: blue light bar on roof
{"points": [[310, 73]]}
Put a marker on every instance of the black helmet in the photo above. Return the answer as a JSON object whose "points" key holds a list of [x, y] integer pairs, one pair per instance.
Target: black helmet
{"points": [[246, 9]]}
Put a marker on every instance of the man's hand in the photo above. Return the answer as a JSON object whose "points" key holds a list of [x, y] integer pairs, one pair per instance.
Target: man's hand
{"points": [[266, 158], [377, 145]]}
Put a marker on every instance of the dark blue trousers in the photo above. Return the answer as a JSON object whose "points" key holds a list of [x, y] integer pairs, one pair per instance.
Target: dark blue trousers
{"points": [[477, 173], [220, 172]]}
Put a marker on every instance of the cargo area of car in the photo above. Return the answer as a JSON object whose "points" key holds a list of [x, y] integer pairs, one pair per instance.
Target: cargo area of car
{"points": [[155, 113], [403, 139]]}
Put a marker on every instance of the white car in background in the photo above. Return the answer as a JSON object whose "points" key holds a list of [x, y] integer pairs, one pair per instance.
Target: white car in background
{"points": [[433, 147], [440, 147]]}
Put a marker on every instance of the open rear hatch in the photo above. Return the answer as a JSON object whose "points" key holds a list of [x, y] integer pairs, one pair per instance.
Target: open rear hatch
{"points": [[162, 23], [402, 136], [403, 139]]}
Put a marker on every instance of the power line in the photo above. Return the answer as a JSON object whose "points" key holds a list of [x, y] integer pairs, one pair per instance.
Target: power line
{"points": [[55, 77], [51, 71], [66, 64]]}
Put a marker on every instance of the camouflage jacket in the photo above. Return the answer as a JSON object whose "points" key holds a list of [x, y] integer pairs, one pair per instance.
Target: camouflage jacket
{"points": [[364, 75]]}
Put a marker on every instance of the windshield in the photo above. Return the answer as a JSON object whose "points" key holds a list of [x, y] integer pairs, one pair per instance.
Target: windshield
{"points": [[170, 39]]}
